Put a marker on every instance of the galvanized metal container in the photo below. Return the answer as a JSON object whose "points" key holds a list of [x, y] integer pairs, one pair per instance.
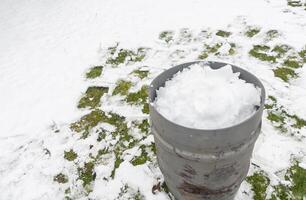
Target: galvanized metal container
{"points": [[204, 164]]}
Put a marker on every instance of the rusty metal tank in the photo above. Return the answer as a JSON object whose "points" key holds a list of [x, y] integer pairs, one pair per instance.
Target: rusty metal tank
{"points": [[204, 164]]}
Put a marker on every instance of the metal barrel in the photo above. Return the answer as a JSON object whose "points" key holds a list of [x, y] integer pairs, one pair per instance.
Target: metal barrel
{"points": [[204, 164]]}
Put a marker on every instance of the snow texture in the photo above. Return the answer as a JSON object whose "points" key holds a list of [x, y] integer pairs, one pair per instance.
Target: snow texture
{"points": [[48, 46], [204, 98]]}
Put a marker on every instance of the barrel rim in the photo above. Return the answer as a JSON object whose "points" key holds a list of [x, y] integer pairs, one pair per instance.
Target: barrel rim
{"points": [[193, 130]]}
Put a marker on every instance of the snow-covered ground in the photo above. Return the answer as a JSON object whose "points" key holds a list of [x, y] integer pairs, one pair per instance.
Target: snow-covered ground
{"points": [[47, 47]]}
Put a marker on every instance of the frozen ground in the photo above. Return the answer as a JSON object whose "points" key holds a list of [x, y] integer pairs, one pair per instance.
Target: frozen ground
{"points": [[72, 131]]}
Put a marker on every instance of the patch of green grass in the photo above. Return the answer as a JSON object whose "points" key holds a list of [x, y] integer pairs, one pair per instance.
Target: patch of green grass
{"points": [[94, 72], [209, 50], [222, 33], [89, 121], [261, 52], [296, 190], [144, 126], [271, 99], [297, 176], [292, 63], [294, 3], [302, 54], [60, 178], [284, 73], [273, 117], [141, 73], [118, 161], [145, 109], [252, 31], [139, 97], [70, 155], [272, 34], [122, 87], [281, 117], [142, 158], [126, 56], [100, 153], [92, 97], [232, 50], [281, 50], [214, 48], [259, 183], [138, 196], [153, 148], [299, 122], [166, 36], [281, 192], [86, 173], [203, 55]]}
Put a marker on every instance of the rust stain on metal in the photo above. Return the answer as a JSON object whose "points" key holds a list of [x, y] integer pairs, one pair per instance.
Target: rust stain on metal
{"points": [[188, 172], [186, 189]]}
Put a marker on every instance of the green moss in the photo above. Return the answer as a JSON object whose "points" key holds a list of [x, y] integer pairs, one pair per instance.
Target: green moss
{"points": [[261, 52], [222, 33], [141, 73], [144, 126], [70, 155], [272, 34], [292, 63], [166, 36], [60, 178], [94, 72], [252, 31], [92, 97], [284, 73], [86, 173], [297, 176], [259, 184], [122, 87], [142, 158], [294, 3], [139, 97], [87, 122]]}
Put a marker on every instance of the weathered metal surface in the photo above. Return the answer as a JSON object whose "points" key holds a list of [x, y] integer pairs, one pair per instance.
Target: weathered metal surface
{"points": [[204, 164]]}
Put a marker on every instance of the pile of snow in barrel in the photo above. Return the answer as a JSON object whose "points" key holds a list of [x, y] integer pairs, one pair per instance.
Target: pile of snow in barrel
{"points": [[205, 98]]}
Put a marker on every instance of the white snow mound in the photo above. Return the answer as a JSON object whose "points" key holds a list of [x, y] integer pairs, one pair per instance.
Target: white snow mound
{"points": [[204, 98]]}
